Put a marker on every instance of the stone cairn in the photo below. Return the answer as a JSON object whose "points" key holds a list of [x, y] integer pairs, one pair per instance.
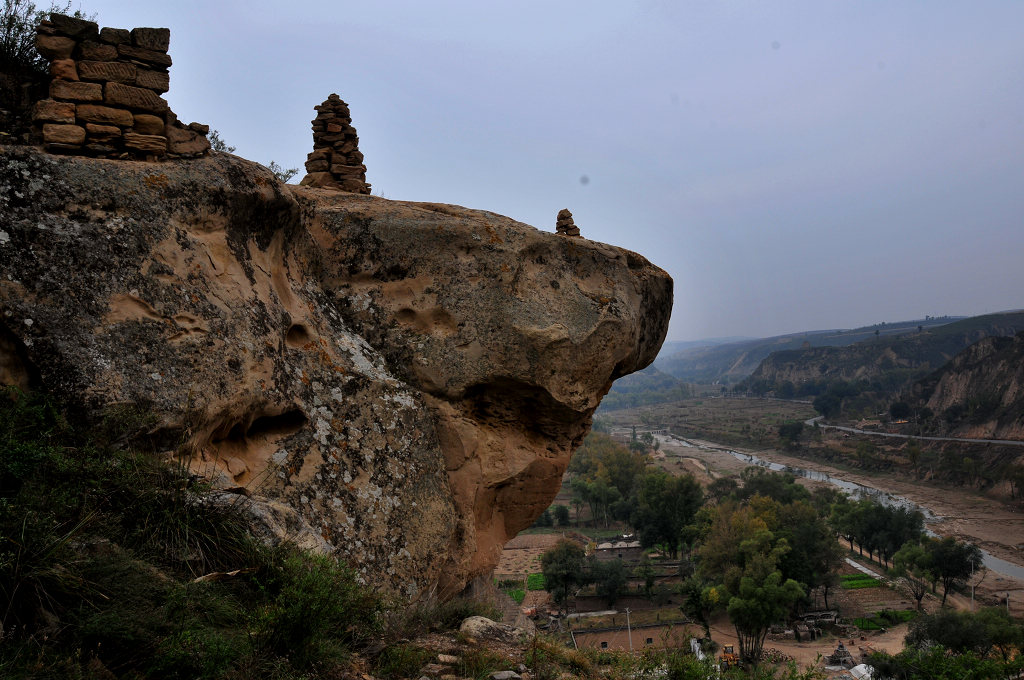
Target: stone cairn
{"points": [[564, 224], [335, 162], [105, 93]]}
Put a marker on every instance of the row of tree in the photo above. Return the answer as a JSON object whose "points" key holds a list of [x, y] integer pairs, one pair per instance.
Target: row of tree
{"points": [[758, 546]]}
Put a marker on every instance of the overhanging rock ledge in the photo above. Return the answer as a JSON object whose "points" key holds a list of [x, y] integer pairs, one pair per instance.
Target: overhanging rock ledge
{"points": [[400, 383]]}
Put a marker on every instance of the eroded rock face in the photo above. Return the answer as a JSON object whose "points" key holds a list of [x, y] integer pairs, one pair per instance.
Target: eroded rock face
{"points": [[401, 383]]}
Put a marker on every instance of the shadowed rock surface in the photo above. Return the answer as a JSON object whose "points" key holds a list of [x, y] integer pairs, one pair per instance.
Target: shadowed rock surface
{"points": [[402, 383]]}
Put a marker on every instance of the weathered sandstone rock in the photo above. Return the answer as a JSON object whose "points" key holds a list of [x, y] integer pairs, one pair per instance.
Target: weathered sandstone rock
{"points": [[400, 383]]}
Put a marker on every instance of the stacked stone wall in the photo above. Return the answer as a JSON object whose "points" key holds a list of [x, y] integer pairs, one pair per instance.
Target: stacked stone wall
{"points": [[105, 93], [336, 162]]}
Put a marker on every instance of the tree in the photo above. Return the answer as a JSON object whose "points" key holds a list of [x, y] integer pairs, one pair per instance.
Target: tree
{"points": [[899, 410], [609, 579], [913, 563], [814, 553], [789, 433], [281, 173], [645, 571], [564, 570], [665, 505], [954, 563], [763, 599], [217, 142], [700, 600], [561, 515], [721, 488]]}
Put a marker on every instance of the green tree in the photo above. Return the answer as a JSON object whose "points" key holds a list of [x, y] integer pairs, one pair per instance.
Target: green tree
{"points": [[789, 433], [899, 410], [564, 569], [217, 142], [701, 599], [954, 562], [665, 505], [645, 571], [283, 174], [763, 598], [913, 563], [609, 579], [561, 515]]}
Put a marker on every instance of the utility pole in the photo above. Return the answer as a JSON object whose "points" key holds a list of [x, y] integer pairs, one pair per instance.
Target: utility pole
{"points": [[629, 630]]}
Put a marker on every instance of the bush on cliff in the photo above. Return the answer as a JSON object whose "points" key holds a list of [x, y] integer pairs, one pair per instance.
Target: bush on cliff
{"points": [[100, 550]]}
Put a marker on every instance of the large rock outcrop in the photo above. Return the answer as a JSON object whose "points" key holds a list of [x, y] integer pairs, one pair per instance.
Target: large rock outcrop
{"points": [[402, 383]]}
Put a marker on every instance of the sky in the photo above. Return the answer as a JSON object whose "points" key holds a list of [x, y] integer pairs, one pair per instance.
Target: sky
{"points": [[793, 165]]}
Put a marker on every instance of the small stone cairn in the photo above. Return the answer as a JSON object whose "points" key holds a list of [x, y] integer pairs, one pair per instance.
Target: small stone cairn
{"points": [[564, 224], [105, 93], [336, 162], [841, 657]]}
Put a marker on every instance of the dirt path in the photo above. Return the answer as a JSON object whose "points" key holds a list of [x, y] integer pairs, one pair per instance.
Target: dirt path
{"points": [[985, 522], [806, 653]]}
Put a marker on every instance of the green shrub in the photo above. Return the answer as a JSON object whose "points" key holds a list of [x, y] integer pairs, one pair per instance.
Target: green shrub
{"points": [[317, 611], [535, 582], [99, 547]]}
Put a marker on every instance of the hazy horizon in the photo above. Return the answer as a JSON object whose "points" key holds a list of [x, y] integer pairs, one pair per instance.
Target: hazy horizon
{"points": [[793, 166]]}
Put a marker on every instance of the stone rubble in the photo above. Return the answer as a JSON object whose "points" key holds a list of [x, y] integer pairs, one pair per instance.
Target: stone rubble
{"points": [[564, 224], [105, 93], [336, 162]]}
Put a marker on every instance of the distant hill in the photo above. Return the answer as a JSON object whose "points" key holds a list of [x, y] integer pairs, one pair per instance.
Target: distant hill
{"points": [[978, 393], [909, 355], [649, 386], [670, 347], [731, 362]]}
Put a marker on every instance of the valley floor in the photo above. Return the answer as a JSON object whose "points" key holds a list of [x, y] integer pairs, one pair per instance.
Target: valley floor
{"points": [[988, 523]]}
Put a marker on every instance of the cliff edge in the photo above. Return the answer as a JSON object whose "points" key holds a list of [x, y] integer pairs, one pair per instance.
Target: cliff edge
{"points": [[400, 383]]}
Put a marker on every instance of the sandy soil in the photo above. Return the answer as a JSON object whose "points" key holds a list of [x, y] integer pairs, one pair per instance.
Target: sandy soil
{"points": [[968, 516]]}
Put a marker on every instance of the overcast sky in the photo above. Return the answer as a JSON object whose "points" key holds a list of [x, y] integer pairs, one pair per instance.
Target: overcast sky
{"points": [[792, 165]]}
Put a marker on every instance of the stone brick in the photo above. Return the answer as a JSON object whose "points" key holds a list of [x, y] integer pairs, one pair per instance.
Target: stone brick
{"points": [[130, 97], [201, 128], [64, 69], [153, 80], [152, 38], [356, 186], [106, 71], [115, 36], [318, 155], [102, 133], [317, 166], [73, 27], [185, 141], [145, 124], [144, 54], [76, 91], [100, 149], [63, 134], [54, 47], [149, 143], [349, 171], [96, 51], [54, 112], [317, 179], [104, 115]]}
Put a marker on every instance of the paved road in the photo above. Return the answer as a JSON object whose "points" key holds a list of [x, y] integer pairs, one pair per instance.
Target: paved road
{"points": [[1007, 442]]}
